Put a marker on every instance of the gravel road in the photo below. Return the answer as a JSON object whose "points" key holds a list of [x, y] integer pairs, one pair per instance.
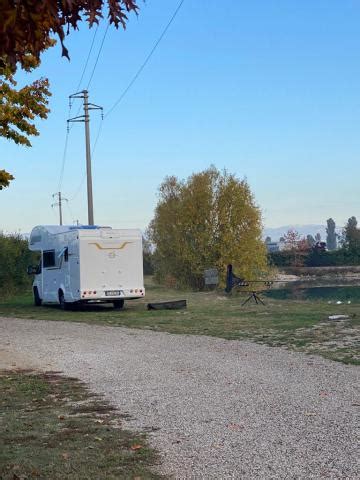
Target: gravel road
{"points": [[215, 409]]}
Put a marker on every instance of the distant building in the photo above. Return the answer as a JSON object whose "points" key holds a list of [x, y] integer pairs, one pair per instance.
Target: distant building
{"points": [[275, 247], [272, 247]]}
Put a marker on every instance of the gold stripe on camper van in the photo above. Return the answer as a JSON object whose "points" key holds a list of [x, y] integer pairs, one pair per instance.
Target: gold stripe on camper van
{"points": [[100, 247]]}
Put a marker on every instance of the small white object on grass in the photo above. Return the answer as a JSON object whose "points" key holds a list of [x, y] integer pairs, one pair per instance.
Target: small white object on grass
{"points": [[338, 317]]}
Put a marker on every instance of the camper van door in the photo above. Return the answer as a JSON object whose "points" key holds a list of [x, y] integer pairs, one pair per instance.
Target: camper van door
{"points": [[50, 276]]}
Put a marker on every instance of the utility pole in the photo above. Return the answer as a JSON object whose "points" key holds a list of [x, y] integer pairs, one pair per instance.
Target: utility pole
{"points": [[84, 95], [59, 203]]}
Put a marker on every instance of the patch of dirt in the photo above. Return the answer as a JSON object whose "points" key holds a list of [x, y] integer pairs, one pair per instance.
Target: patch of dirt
{"points": [[10, 360]]}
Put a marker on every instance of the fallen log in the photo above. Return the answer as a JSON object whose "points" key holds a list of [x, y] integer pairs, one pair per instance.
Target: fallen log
{"points": [[172, 305]]}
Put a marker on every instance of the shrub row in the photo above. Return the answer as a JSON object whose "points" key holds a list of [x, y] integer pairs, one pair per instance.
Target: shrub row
{"points": [[14, 260], [313, 258]]}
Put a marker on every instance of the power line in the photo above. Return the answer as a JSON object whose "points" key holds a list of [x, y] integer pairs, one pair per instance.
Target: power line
{"points": [[70, 105], [84, 95], [64, 156], [97, 137], [98, 56], [77, 191], [87, 60], [137, 74], [130, 84], [71, 213], [94, 67]]}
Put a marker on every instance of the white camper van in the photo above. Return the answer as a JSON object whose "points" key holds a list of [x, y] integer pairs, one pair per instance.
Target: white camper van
{"points": [[86, 264]]}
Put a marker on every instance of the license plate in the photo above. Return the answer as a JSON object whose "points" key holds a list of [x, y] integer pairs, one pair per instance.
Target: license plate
{"points": [[113, 293]]}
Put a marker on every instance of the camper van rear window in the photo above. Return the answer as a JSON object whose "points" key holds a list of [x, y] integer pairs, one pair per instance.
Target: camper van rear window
{"points": [[49, 259]]}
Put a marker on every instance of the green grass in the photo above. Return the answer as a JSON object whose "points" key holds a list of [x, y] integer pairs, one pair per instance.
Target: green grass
{"points": [[297, 324], [53, 428]]}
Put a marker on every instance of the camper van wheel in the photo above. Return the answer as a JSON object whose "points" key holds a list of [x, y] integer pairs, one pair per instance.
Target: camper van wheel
{"points": [[63, 304], [37, 299], [118, 304]]}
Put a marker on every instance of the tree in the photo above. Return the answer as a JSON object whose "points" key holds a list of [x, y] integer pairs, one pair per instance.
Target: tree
{"points": [[330, 234], [292, 239], [318, 237], [15, 257], [297, 246], [351, 235], [268, 240], [209, 220], [5, 179], [147, 257], [18, 110], [303, 245], [27, 26], [311, 240], [20, 107]]}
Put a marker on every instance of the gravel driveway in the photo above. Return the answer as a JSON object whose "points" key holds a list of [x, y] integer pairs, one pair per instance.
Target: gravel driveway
{"points": [[215, 409]]}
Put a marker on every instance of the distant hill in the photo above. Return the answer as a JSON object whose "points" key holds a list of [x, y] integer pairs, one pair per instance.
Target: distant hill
{"points": [[277, 232]]}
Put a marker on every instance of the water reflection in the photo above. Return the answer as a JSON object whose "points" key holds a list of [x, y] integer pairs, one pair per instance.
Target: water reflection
{"points": [[306, 291]]}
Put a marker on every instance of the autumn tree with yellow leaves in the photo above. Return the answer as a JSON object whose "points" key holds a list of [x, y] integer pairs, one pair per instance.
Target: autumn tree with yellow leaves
{"points": [[209, 220]]}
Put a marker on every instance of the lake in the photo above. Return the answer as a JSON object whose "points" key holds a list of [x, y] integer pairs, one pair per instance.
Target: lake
{"points": [[316, 291]]}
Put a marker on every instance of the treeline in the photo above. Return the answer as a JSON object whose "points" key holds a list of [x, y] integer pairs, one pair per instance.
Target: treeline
{"points": [[15, 257], [302, 252], [334, 258]]}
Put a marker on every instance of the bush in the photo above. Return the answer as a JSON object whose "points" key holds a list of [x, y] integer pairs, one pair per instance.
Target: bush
{"points": [[288, 258], [334, 258], [316, 258], [15, 257]]}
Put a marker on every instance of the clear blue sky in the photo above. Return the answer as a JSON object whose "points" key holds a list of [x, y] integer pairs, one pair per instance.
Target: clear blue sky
{"points": [[269, 90]]}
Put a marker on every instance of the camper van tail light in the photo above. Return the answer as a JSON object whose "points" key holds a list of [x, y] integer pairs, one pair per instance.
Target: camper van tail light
{"points": [[136, 290], [94, 292], [131, 291]]}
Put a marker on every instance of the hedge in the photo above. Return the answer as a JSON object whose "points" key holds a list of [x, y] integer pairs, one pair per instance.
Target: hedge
{"points": [[340, 257], [15, 257]]}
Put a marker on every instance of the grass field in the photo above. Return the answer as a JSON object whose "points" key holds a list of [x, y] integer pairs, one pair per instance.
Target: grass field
{"points": [[53, 428], [301, 325]]}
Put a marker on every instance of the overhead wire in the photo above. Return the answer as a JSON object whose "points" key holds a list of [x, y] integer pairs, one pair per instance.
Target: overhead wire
{"points": [[88, 58], [90, 79], [130, 84], [98, 56], [63, 161], [146, 61], [71, 213], [77, 191], [83, 72], [53, 211], [66, 143], [94, 67]]}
